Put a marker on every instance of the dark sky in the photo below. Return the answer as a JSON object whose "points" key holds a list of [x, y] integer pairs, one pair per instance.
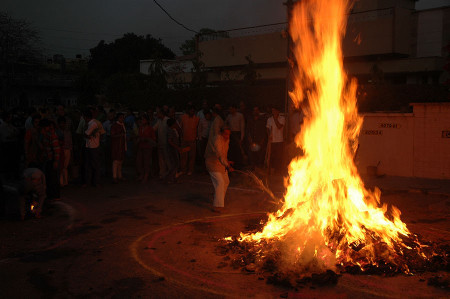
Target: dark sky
{"points": [[73, 27]]}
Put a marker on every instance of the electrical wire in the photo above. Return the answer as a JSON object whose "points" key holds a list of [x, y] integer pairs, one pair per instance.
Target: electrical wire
{"points": [[168, 14]]}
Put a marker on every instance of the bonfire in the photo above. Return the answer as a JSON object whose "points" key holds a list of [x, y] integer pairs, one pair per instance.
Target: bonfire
{"points": [[328, 220]]}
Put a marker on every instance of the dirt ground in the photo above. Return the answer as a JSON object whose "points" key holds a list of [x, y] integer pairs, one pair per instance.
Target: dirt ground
{"points": [[158, 241]]}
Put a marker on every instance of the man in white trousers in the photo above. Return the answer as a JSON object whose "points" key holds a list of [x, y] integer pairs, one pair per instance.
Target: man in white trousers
{"points": [[218, 166]]}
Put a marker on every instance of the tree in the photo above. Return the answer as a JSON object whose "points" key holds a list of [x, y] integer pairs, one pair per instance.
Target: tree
{"points": [[18, 45], [249, 72], [189, 45], [157, 75], [116, 66], [18, 41], [123, 55]]}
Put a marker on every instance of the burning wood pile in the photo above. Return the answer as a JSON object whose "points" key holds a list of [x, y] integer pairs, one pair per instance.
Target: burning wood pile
{"points": [[329, 223], [266, 259]]}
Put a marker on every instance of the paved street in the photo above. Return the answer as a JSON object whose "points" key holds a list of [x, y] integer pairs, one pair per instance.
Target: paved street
{"points": [[157, 240]]}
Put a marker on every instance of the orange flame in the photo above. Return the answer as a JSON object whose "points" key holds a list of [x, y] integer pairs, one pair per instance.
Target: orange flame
{"points": [[327, 210]]}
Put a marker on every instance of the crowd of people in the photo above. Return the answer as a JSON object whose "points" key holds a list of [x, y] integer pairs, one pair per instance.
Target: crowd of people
{"points": [[50, 148]]}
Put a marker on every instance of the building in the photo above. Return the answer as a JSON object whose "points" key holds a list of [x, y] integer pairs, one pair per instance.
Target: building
{"points": [[179, 71], [47, 83], [415, 144], [386, 40]]}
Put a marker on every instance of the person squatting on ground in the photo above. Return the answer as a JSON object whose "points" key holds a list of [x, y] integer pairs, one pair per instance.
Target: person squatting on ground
{"points": [[218, 166], [34, 183], [189, 125], [118, 147], [145, 144]]}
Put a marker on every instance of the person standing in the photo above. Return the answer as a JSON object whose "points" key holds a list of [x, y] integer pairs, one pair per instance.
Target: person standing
{"points": [[118, 147], [204, 126], [189, 126], [92, 150], [131, 127], [51, 158], [29, 121], [205, 107], [9, 143], [161, 130], [151, 116], [275, 131], [65, 138], [33, 147], [60, 111], [173, 150], [236, 122], [256, 138], [295, 122], [146, 143], [218, 166], [106, 140], [217, 123]]}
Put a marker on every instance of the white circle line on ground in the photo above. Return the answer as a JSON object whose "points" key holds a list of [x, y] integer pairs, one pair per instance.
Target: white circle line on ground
{"points": [[134, 251]]}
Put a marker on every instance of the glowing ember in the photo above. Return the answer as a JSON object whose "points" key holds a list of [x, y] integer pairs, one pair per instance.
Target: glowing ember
{"points": [[328, 217]]}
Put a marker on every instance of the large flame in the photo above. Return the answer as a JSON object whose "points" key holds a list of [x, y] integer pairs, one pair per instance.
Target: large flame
{"points": [[328, 215]]}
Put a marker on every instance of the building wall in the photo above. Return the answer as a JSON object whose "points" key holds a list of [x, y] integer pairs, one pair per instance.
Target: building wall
{"points": [[407, 144], [430, 33], [378, 32], [264, 48], [366, 5], [402, 42], [178, 72], [386, 141], [432, 140]]}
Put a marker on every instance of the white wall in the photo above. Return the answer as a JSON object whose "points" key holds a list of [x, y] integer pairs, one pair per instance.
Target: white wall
{"points": [[386, 140], [432, 140], [407, 144]]}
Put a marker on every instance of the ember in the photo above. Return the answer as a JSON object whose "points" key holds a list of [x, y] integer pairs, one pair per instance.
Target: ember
{"points": [[329, 222], [265, 258]]}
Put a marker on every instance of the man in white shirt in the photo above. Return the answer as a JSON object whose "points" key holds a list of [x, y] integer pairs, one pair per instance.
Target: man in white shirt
{"points": [[236, 122], [275, 130], [92, 151]]}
